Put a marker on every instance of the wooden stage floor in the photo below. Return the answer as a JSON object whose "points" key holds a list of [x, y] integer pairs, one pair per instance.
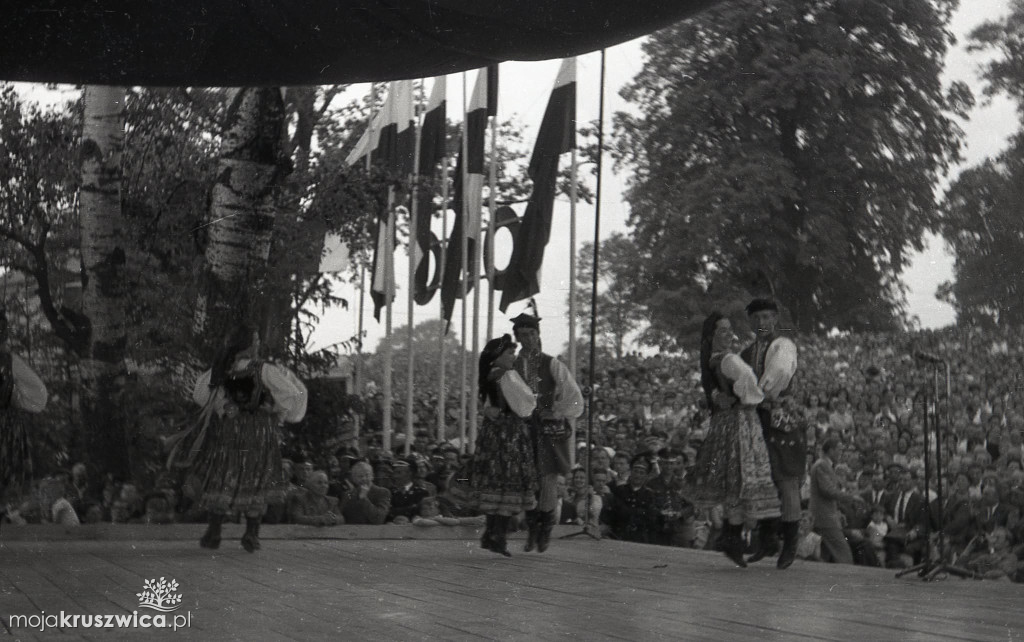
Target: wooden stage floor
{"points": [[399, 589]]}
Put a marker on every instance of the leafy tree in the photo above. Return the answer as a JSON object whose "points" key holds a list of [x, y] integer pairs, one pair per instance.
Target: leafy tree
{"points": [[172, 140], [983, 226], [102, 366], [790, 147], [618, 311], [426, 366], [982, 221], [1005, 72]]}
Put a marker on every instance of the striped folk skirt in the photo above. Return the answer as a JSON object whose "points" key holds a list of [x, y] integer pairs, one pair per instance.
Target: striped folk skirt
{"points": [[502, 475], [239, 465], [733, 467]]}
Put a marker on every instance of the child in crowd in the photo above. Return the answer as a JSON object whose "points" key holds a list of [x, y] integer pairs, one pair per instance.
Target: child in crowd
{"points": [[877, 530], [809, 543]]}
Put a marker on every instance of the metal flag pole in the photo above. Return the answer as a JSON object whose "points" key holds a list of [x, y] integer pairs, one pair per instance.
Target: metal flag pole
{"points": [[359, 383], [389, 279], [588, 390], [359, 343], [464, 273], [413, 247], [491, 207], [442, 390]]}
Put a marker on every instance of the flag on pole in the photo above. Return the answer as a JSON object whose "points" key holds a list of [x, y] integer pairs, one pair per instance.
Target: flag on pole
{"points": [[557, 135], [432, 151], [467, 202], [391, 138], [391, 143], [334, 257]]}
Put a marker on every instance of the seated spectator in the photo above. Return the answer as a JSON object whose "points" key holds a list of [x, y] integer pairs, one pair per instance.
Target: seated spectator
{"points": [[876, 530], [446, 462], [579, 495], [363, 502], [128, 507], [383, 471], [278, 498], [80, 492], [674, 521], [158, 510], [906, 518], [420, 466], [405, 494], [808, 546], [634, 510], [620, 469], [430, 514], [993, 514], [708, 527], [992, 557], [312, 506], [337, 473], [45, 504]]}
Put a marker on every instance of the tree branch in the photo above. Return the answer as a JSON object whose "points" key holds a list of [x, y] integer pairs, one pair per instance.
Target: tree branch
{"points": [[75, 337]]}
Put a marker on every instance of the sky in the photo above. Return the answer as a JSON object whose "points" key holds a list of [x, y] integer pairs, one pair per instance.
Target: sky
{"points": [[524, 89]]}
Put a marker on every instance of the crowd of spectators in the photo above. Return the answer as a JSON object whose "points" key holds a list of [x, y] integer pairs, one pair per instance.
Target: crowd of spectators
{"points": [[649, 419]]}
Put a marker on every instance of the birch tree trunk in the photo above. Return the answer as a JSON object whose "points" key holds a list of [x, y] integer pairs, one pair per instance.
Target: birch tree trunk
{"points": [[102, 364], [241, 221]]}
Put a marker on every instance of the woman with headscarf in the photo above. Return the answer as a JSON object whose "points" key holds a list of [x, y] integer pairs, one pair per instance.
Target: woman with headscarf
{"points": [[233, 452], [502, 479], [732, 466]]}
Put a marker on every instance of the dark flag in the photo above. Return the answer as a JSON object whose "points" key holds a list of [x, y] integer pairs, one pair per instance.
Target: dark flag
{"points": [[432, 151], [470, 204], [557, 135], [391, 143]]}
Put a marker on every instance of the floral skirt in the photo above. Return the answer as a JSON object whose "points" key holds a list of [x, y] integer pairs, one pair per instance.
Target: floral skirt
{"points": [[502, 477], [16, 450], [238, 468], [733, 467]]}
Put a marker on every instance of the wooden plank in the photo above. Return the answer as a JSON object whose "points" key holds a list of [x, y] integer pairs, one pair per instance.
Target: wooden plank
{"points": [[450, 589]]}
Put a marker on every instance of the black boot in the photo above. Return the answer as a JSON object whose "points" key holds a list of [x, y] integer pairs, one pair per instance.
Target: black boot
{"points": [[533, 528], [546, 524], [251, 538], [499, 540], [211, 538], [485, 539], [731, 543], [768, 540], [790, 537]]}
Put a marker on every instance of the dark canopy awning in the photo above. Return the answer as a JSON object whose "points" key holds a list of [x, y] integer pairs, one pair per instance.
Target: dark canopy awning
{"points": [[302, 42]]}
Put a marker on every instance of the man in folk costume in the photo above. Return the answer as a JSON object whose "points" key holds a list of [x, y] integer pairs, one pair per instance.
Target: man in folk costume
{"points": [[21, 392], [774, 360], [558, 400]]}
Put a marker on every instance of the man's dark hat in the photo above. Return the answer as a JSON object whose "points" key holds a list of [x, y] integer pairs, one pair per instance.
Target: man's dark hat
{"points": [[757, 305], [525, 320]]}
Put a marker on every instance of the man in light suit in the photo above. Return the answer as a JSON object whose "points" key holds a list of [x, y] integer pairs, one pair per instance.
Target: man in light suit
{"points": [[826, 492]]}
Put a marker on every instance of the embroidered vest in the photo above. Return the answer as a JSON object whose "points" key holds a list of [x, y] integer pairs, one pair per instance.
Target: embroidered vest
{"points": [[6, 380], [536, 372], [245, 388]]}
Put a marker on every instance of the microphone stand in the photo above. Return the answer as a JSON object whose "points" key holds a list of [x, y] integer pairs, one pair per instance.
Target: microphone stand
{"points": [[588, 392], [929, 569]]}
